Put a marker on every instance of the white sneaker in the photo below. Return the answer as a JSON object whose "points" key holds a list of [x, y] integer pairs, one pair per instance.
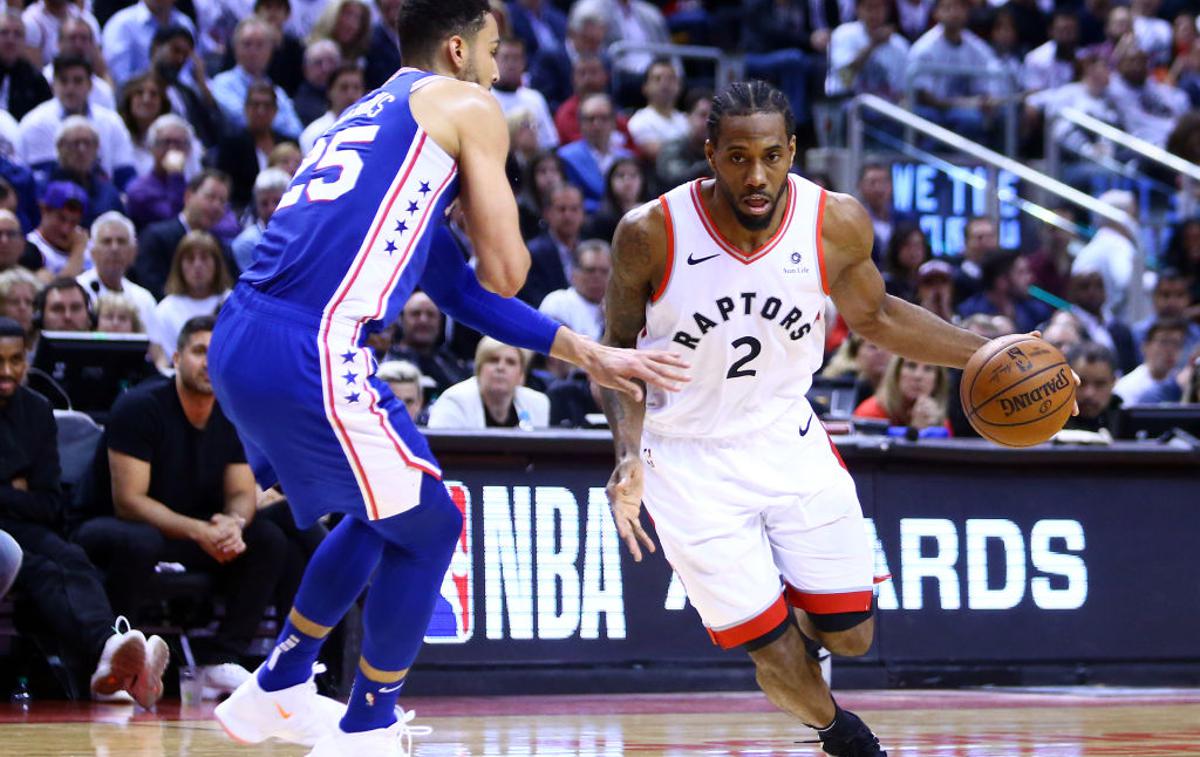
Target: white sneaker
{"points": [[393, 741], [147, 688], [297, 714], [121, 661], [219, 680]]}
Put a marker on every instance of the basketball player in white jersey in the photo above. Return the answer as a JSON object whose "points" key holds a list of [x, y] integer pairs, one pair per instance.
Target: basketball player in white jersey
{"points": [[754, 509]]}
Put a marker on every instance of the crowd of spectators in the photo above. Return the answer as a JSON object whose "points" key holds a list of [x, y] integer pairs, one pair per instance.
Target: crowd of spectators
{"points": [[144, 148]]}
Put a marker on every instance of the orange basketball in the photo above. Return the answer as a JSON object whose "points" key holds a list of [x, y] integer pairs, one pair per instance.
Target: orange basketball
{"points": [[1017, 390]]}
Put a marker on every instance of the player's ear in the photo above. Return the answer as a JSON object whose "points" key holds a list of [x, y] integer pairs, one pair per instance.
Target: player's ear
{"points": [[792, 148], [710, 154], [457, 49]]}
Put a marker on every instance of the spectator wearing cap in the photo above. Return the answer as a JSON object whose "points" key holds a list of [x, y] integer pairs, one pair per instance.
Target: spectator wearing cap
{"points": [[241, 155], [1006, 279], [345, 88], [252, 44], [268, 189], [170, 51], [1154, 380], [128, 35], [22, 86], [64, 247], [907, 249], [114, 249], [157, 194], [383, 55], [39, 127], [935, 288], [321, 59], [205, 201], [77, 37], [77, 143]]}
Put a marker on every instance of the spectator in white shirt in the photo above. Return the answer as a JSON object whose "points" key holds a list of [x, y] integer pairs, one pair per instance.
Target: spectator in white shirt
{"points": [[196, 285], [345, 88], [579, 307], [1090, 95], [43, 20], [114, 248], [1150, 108], [64, 247], [76, 38], [1153, 34], [1154, 380], [1053, 64], [494, 397], [72, 85], [660, 121], [1111, 253], [512, 93], [867, 55]]}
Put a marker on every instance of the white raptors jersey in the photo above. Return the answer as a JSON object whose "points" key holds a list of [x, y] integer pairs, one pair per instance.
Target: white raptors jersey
{"points": [[751, 325]]}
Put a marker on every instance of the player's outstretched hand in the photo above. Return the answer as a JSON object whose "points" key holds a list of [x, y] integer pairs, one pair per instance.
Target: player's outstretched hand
{"points": [[621, 369], [625, 499]]}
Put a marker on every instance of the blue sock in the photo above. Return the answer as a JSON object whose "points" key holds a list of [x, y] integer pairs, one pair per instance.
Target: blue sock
{"points": [[372, 704], [290, 663]]}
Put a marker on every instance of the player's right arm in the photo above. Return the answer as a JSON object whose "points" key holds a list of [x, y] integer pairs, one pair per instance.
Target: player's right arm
{"points": [[466, 121], [638, 260]]}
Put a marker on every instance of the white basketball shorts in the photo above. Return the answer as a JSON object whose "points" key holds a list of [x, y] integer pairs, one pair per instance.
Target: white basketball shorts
{"points": [[755, 523]]}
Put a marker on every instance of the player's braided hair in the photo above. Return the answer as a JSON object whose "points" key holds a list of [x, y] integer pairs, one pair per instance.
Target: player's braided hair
{"points": [[744, 98], [422, 25]]}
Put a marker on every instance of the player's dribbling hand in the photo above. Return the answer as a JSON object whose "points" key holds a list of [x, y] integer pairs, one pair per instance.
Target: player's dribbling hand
{"points": [[617, 368], [1075, 409], [625, 499]]}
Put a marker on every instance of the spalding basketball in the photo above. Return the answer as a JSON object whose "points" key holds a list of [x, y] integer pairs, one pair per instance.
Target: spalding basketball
{"points": [[1017, 390]]}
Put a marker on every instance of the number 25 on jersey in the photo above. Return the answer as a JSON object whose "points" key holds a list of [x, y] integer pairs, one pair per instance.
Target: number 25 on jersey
{"points": [[331, 153]]}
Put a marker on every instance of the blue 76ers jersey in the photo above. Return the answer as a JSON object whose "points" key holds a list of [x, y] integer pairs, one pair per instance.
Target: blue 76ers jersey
{"points": [[351, 234]]}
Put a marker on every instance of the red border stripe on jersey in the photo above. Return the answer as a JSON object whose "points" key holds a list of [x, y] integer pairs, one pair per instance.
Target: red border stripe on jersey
{"points": [[666, 279], [747, 631], [830, 604], [710, 226], [821, 243]]}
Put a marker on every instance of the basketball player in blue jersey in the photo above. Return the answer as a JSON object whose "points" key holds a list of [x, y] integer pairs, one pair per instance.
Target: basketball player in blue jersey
{"points": [[358, 229], [750, 501]]}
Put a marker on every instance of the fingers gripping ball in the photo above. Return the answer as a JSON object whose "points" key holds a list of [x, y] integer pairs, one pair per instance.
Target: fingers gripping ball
{"points": [[1017, 390]]}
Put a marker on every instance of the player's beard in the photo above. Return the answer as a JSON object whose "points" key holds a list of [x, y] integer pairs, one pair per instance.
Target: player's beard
{"points": [[749, 222], [471, 73]]}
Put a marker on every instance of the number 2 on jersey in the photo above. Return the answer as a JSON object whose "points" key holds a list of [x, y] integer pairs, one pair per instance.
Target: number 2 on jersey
{"points": [[327, 153], [736, 370]]}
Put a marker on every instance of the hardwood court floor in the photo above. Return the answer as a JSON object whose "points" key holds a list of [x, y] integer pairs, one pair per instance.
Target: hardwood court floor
{"points": [[976, 723]]}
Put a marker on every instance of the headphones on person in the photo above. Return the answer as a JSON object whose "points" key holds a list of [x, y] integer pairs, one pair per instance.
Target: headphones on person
{"points": [[39, 301]]}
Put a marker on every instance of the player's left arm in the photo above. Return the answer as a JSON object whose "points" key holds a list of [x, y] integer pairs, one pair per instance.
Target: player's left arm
{"points": [[858, 292]]}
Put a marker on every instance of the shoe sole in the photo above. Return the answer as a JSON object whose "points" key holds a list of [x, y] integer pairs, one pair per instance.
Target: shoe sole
{"points": [[126, 664], [224, 713], [148, 688]]}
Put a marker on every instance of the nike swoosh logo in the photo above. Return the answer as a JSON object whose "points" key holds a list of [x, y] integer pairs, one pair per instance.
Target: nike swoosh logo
{"points": [[695, 261], [390, 689], [282, 712], [804, 429]]}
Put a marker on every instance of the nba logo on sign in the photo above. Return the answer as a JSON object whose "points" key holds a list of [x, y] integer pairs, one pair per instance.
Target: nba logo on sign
{"points": [[453, 620]]}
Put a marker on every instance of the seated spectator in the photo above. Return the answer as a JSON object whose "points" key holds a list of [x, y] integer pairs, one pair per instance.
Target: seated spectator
{"points": [[404, 379], [243, 154], [39, 127], [786, 43], [286, 157], [511, 92], [77, 37], [575, 402], [935, 288], [345, 88], [346, 23], [129, 34], [552, 252], [551, 67], [383, 56], [1154, 380], [1183, 253], [962, 103], [494, 397], [1153, 34], [589, 77], [875, 194], [683, 160], [321, 59], [911, 394], [252, 45], [907, 251], [196, 286], [114, 249], [287, 58], [116, 314], [10, 562], [579, 308], [64, 247], [142, 101], [538, 24], [1150, 108], [1086, 291], [541, 176], [867, 56], [624, 190], [633, 21], [63, 305], [1051, 262], [522, 143], [268, 189], [660, 121], [77, 144], [15, 249], [172, 48], [980, 236], [419, 344], [1053, 63], [157, 193], [866, 361], [1118, 27], [182, 492], [22, 87], [56, 575], [1064, 331], [1006, 280], [1171, 300], [1111, 251], [587, 160], [205, 201], [18, 291]]}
